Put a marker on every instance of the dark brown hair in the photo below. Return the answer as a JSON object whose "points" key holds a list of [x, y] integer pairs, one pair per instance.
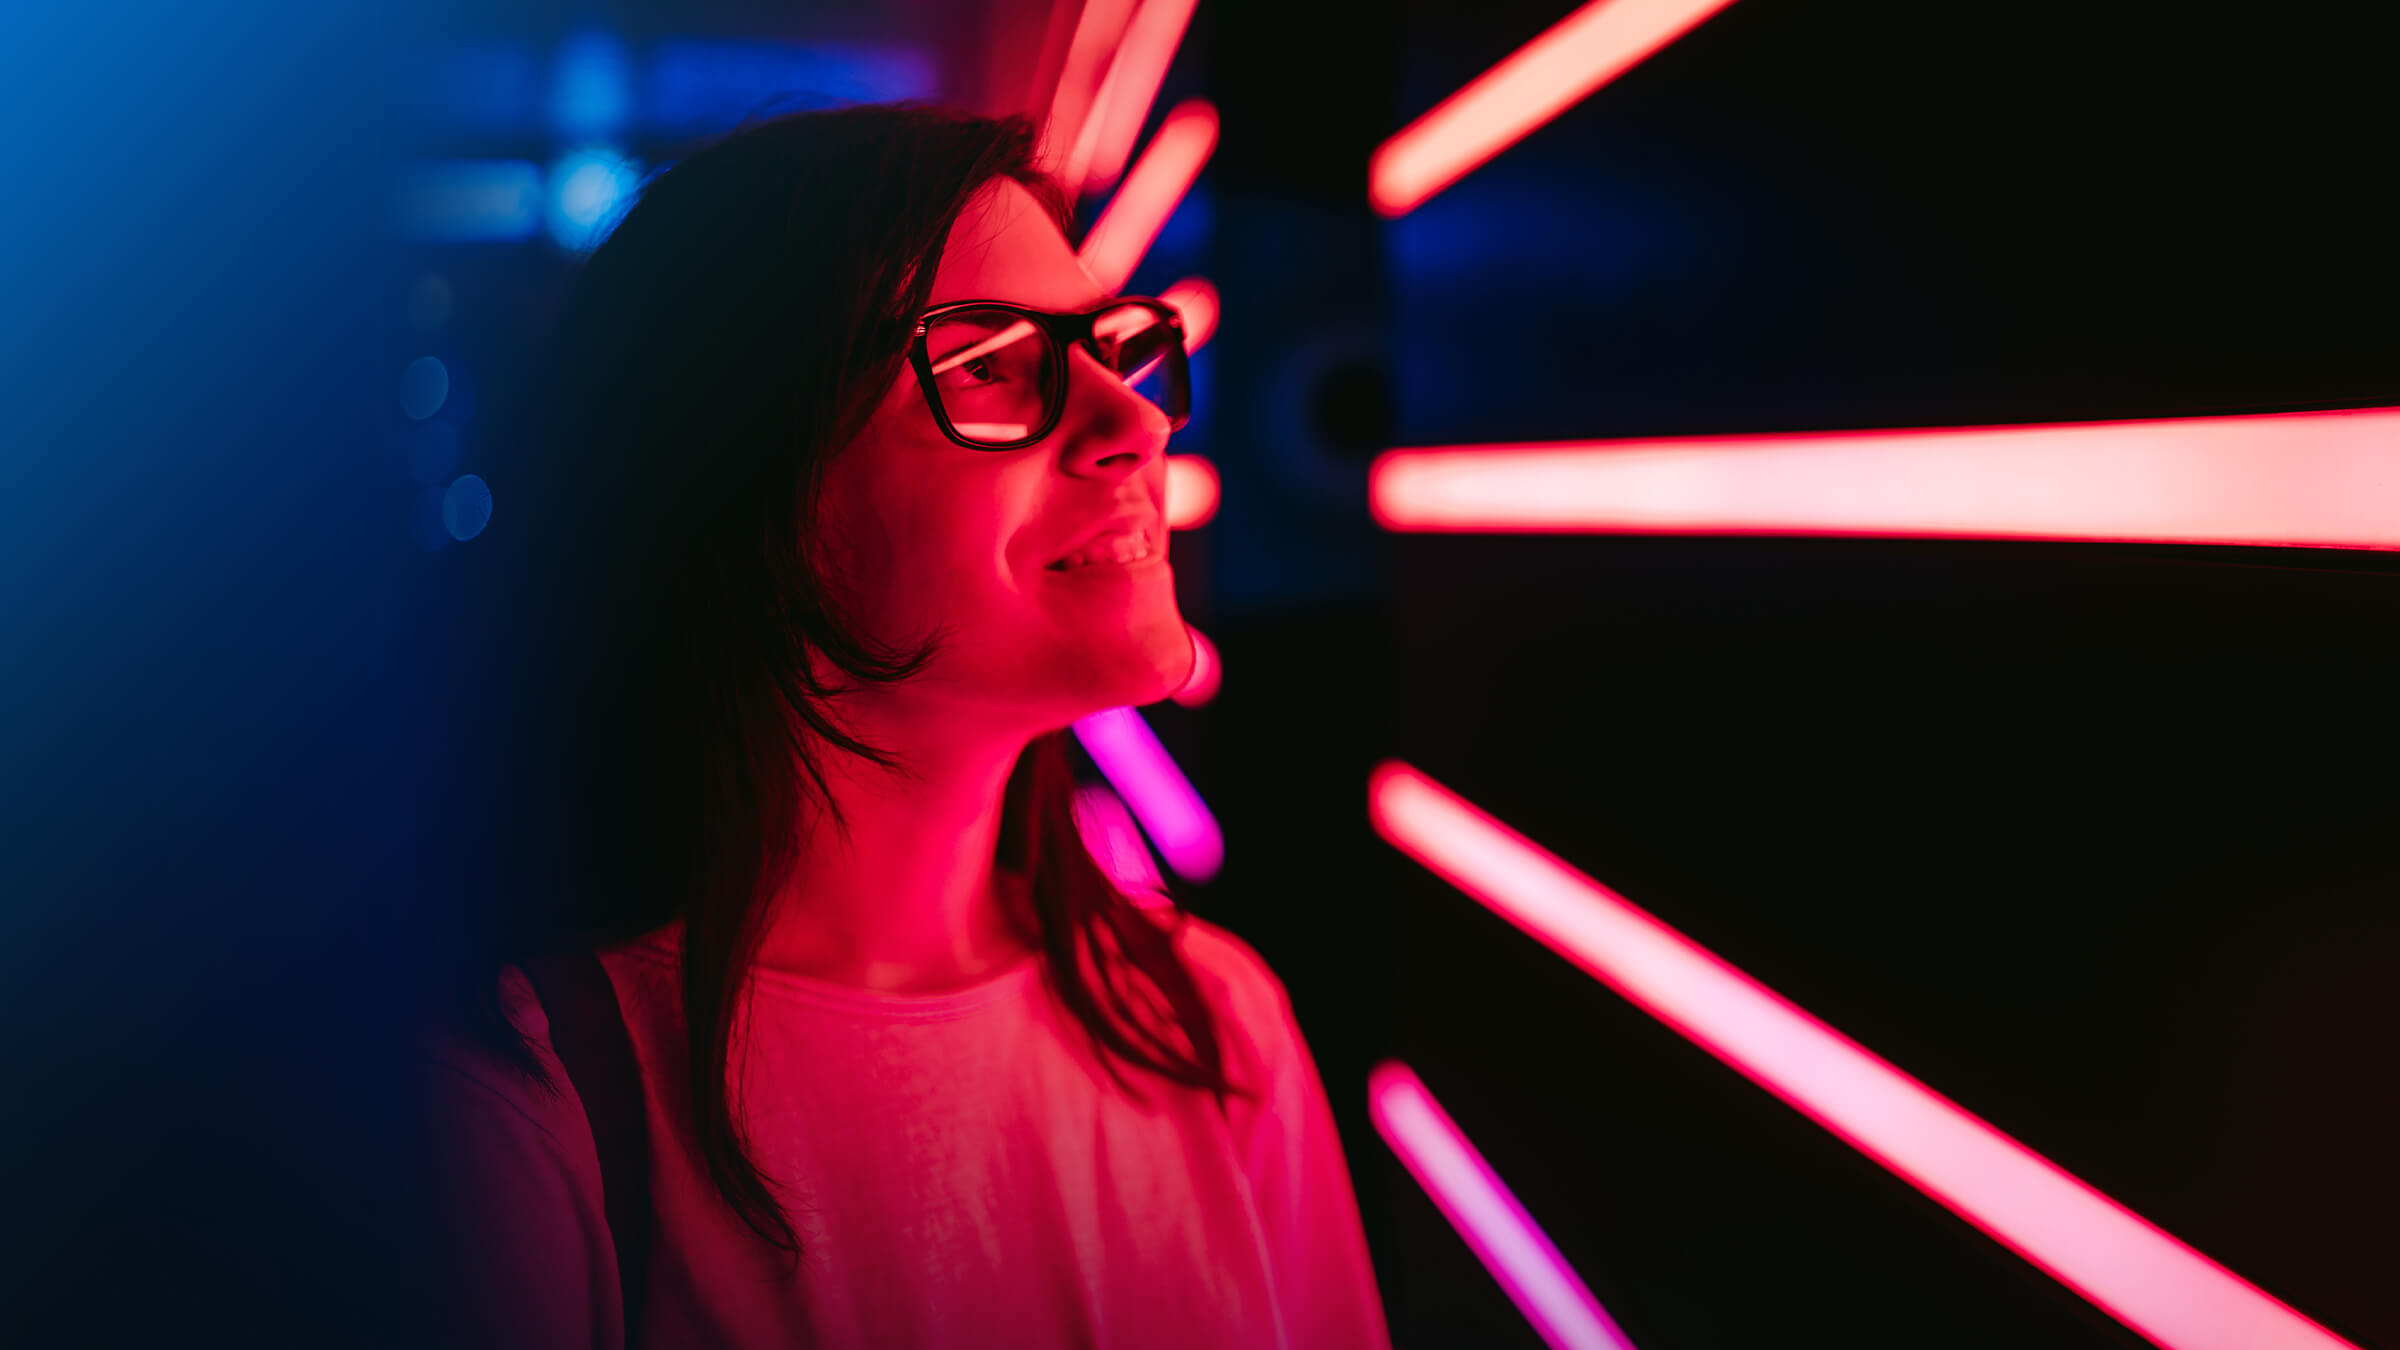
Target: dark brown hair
{"points": [[665, 727]]}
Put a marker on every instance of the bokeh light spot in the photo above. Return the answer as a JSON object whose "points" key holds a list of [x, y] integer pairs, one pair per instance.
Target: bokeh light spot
{"points": [[423, 386], [466, 507]]}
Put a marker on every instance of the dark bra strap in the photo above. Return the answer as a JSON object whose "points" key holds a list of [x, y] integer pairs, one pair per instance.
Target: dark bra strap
{"points": [[587, 1029]]}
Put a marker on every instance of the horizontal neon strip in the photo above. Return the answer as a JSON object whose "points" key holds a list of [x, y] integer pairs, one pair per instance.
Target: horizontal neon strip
{"points": [[1195, 298], [1191, 492], [2328, 479], [1484, 1211], [1161, 798], [2120, 1261], [1168, 167], [1537, 82], [1207, 672]]}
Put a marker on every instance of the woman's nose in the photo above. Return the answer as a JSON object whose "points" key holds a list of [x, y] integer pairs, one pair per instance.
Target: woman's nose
{"points": [[1110, 428]]}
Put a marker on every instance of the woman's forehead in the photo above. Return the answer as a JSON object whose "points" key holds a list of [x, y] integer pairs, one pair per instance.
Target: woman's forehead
{"points": [[1005, 247]]}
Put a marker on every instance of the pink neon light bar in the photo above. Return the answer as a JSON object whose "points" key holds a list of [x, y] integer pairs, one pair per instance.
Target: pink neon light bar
{"points": [[1191, 491], [1537, 82], [1125, 96], [2328, 479], [1074, 101], [1116, 844], [1166, 170], [1486, 1213], [1161, 798], [1207, 672], [2120, 1261], [1195, 298]]}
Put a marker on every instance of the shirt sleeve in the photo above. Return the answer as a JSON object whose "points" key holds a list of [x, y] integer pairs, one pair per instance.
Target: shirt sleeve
{"points": [[1292, 1155], [522, 1254]]}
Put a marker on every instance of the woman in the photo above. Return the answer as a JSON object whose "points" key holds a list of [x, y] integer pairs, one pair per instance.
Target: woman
{"points": [[822, 559]]}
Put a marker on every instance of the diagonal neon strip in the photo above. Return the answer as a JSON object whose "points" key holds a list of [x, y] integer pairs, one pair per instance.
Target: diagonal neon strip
{"points": [[1125, 96], [1537, 82], [1484, 1211], [2327, 479], [2130, 1268], [1195, 298], [1154, 787], [1169, 165]]}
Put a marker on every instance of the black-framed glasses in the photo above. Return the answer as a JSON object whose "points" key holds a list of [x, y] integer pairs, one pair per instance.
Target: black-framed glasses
{"points": [[995, 373]]}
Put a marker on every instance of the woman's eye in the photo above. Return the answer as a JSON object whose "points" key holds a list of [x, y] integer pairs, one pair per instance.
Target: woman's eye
{"points": [[977, 371]]}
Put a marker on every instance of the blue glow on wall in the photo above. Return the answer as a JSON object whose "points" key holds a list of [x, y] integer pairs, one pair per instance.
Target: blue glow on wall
{"points": [[697, 87], [591, 87], [451, 201]]}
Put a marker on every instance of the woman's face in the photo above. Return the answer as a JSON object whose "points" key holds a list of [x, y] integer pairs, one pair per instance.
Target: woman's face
{"points": [[937, 537]]}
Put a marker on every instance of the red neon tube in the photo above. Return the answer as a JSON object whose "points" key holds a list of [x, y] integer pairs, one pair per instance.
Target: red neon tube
{"points": [[1168, 167], [2327, 479], [1125, 96], [1195, 298], [1191, 491], [1537, 82], [2134, 1271]]}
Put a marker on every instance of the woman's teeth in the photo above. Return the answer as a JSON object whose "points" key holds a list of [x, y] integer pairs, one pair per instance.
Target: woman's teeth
{"points": [[1132, 546]]}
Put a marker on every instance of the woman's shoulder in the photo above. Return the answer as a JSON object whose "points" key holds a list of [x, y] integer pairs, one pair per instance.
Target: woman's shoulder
{"points": [[479, 1077], [1241, 987]]}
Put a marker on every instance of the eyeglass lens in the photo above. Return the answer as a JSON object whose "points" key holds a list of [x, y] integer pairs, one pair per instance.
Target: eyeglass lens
{"points": [[998, 376]]}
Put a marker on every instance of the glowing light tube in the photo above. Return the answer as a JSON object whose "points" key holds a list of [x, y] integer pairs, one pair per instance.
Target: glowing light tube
{"points": [[1074, 100], [1125, 96], [1161, 798], [1195, 298], [1472, 1197], [1537, 82], [1207, 672], [2328, 479], [1116, 844], [1191, 491], [2134, 1271], [1168, 167]]}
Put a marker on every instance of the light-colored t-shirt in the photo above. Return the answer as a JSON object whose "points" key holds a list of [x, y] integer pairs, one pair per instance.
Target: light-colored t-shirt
{"points": [[962, 1173]]}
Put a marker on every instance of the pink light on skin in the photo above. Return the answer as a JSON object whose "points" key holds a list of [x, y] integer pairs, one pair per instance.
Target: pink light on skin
{"points": [[1116, 844], [1131, 86], [2131, 1269], [1207, 672], [1166, 170], [2314, 479], [1191, 491], [1151, 784], [1483, 1210], [1195, 298], [1537, 82]]}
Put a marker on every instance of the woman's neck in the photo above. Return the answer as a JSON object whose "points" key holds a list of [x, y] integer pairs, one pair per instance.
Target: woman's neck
{"points": [[910, 901]]}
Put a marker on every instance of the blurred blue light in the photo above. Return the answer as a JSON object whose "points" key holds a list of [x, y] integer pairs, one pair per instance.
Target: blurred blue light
{"points": [[479, 86], [697, 87], [423, 386], [467, 200], [591, 88], [589, 189], [466, 507]]}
